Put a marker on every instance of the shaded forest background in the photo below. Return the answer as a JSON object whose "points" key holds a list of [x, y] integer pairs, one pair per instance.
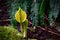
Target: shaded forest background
{"points": [[44, 13]]}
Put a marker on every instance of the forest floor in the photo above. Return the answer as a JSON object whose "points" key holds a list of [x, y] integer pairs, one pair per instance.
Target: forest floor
{"points": [[40, 33], [45, 33]]}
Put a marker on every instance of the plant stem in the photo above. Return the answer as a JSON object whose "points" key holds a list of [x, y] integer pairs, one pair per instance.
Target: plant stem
{"points": [[21, 28]]}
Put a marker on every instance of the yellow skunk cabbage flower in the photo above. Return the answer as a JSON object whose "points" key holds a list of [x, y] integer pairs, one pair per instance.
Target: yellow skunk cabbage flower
{"points": [[20, 15]]}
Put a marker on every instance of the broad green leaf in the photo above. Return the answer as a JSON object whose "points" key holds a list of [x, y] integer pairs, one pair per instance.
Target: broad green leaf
{"points": [[25, 26]]}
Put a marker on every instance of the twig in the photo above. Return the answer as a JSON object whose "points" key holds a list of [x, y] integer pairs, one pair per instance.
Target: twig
{"points": [[5, 20], [49, 31]]}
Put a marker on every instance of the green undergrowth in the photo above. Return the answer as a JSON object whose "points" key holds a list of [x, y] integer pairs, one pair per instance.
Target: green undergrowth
{"points": [[9, 33]]}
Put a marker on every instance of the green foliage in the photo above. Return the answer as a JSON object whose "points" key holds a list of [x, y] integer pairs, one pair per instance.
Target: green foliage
{"points": [[54, 11], [9, 33], [34, 14], [36, 10], [42, 11], [13, 6]]}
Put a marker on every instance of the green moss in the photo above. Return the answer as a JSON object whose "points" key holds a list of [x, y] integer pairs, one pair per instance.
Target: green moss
{"points": [[9, 33]]}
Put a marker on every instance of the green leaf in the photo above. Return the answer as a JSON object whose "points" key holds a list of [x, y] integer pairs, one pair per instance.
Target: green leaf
{"points": [[42, 11], [25, 26]]}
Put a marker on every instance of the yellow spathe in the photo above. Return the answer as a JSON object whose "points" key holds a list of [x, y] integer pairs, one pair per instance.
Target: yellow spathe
{"points": [[20, 15]]}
